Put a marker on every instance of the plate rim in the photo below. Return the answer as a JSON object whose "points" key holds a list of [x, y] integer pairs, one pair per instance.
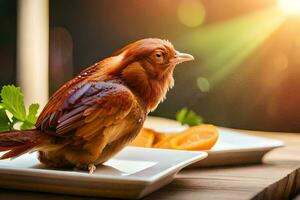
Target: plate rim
{"points": [[83, 176]]}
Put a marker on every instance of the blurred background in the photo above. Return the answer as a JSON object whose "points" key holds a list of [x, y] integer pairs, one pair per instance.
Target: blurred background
{"points": [[246, 72]]}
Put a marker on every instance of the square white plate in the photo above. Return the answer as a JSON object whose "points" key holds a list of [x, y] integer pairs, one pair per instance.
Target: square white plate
{"points": [[231, 148], [133, 173]]}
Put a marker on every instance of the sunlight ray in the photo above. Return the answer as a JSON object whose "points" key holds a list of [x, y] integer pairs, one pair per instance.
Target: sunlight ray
{"points": [[221, 47]]}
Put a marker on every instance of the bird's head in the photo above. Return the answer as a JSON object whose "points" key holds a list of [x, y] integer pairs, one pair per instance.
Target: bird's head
{"points": [[148, 66]]}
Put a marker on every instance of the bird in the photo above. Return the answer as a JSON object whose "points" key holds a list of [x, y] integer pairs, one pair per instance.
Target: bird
{"points": [[97, 113]]}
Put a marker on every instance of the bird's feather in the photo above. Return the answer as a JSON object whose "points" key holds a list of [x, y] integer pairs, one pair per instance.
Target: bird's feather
{"points": [[76, 87], [102, 104]]}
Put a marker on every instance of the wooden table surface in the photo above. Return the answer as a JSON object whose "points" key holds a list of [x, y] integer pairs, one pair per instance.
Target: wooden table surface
{"points": [[277, 178]]}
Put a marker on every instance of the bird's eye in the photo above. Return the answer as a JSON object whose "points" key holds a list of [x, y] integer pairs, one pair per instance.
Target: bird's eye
{"points": [[158, 57]]}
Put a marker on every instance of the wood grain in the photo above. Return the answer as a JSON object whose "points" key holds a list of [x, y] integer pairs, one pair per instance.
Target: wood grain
{"points": [[277, 178]]}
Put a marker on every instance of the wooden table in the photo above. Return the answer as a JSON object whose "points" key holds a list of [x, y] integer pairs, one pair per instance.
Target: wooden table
{"points": [[277, 178]]}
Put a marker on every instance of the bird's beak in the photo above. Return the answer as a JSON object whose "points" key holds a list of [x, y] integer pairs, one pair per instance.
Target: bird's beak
{"points": [[182, 57]]}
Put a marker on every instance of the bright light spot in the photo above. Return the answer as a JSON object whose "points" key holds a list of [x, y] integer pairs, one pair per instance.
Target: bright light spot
{"points": [[191, 13], [203, 84], [290, 6]]}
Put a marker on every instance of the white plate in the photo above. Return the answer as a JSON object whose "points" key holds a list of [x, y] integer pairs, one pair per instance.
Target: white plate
{"points": [[133, 173], [232, 147]]}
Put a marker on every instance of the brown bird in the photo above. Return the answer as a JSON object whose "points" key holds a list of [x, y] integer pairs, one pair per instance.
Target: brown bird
{"points": [[93, 116]]}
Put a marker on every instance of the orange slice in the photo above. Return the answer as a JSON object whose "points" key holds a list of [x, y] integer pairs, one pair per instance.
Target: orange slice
{"points": [[165, 142], [158, 137], [144, 139], [201, 137]]}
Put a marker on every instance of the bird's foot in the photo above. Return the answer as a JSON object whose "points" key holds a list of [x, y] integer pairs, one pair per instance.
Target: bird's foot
{"points": [[91, 168]]}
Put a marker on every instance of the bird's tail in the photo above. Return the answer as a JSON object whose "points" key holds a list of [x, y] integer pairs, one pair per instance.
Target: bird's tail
{"points": [[19, 142]]}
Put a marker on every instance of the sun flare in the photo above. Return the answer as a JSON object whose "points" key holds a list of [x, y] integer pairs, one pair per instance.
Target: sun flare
{"points": [[290, 6]]}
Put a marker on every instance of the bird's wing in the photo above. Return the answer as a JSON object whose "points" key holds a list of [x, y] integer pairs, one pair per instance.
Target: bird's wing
{"points": [[92, 107], [96, 73], [57, 100]]}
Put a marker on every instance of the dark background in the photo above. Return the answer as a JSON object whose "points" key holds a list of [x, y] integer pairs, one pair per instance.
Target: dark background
{"points": [[256, 95], [8, 38]]}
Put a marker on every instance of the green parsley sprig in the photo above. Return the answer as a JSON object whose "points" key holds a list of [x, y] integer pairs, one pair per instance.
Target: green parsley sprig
{"points": [[189, 117], [13, 111]]}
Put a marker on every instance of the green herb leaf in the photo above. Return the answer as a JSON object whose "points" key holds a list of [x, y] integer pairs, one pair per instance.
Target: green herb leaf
{"points": [[180, 116], [13, 101], [189, 117], [4, 121], [32, 113], [31, 117], [27, 125]]}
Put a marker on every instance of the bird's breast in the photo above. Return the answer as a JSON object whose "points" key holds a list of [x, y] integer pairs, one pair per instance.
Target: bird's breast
{"points": [[129, 126]]}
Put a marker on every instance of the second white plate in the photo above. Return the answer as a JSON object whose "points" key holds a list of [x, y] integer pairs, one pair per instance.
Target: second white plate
{"points": [[232, 147]]}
